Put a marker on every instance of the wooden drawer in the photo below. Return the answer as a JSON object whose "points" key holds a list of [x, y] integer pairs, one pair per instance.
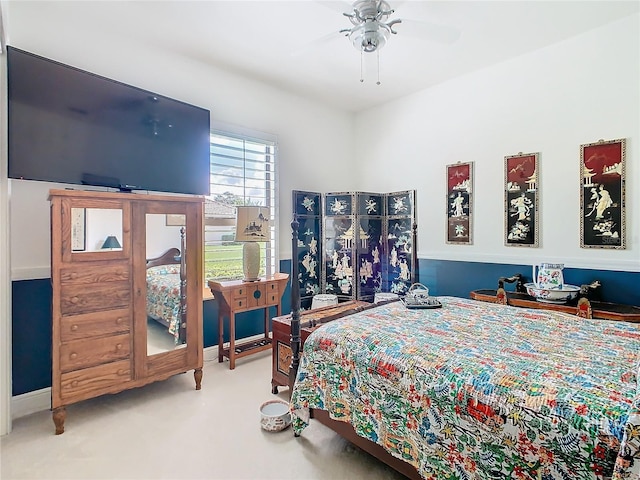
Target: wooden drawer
{"points": [[95, 324], [272, 294], [250, 296], [100, 273], [89, 382], [240, 292], [94, 351], [76, 299]]}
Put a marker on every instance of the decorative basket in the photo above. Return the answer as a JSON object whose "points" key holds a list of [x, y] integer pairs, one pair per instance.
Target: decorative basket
{"points": [[417, 294]]}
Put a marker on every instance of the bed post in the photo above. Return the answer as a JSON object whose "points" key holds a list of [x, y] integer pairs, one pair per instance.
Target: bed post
{"points": [[182, 335], [295, 305], [414, 251]]}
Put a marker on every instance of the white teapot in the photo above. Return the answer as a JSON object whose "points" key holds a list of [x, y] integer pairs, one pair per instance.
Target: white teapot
{"points": [[548, 276]]}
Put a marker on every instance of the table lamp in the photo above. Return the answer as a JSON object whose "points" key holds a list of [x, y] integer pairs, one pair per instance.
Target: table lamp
{"points": [[111, 243], [252, 226]]}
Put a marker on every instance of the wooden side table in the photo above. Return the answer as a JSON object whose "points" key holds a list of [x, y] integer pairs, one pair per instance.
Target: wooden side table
{"points": [[603, 310], [236, 296]]}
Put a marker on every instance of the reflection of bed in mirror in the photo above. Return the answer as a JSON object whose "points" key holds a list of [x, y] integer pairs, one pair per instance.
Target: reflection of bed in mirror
{"points": [[166, 281]]}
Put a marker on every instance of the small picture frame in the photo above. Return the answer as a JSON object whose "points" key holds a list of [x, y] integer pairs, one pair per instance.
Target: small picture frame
{"points": [[602, 194], [175, 220], [460, 203], [78, 229], [521, 200]]}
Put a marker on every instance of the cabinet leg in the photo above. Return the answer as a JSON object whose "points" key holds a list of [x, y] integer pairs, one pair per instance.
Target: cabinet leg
{"points": [[197, 375], [274, 389], [59, 416]]}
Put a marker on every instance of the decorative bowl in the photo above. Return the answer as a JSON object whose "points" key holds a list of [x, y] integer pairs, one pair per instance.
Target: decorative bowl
{"points": [[275, 415], [553, 295]]}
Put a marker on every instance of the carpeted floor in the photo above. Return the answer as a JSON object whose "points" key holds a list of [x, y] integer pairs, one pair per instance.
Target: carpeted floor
{"points": [[168, 430]]}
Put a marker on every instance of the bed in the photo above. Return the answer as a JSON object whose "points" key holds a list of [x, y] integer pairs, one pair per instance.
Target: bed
{"points": [[474, 390], [479, 390], [166, 300]]}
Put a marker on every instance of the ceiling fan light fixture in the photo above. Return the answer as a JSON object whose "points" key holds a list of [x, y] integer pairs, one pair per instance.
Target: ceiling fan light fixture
{"points": [[370, 36]]}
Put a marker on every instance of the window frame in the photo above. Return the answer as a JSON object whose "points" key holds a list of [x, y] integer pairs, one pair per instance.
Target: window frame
{"points": [[269, 250]]}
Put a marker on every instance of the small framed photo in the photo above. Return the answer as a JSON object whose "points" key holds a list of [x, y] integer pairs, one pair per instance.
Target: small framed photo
{"points": [[78, 229], [521, 200], [175, 220], [460, 203], [602, 194]]}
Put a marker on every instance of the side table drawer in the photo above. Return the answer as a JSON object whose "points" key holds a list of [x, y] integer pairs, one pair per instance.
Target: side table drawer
{"points": [[272, 294]]}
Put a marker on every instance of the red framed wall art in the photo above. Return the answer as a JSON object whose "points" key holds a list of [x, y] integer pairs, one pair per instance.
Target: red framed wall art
{"points": [[521, 200], [602, 194], [460, 203]]}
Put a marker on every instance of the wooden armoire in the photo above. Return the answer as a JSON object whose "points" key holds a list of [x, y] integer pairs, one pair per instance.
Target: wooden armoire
{"points": [[100, 330]]}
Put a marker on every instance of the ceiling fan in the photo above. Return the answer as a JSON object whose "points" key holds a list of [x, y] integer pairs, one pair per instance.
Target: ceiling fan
{"points": [[372, 26]]}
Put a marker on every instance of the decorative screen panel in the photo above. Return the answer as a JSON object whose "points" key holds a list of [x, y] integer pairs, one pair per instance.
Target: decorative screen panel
{"points": [[308, 209]]}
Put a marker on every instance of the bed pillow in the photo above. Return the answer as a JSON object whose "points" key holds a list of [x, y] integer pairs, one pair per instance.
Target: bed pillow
{"points": [[163, 270]]}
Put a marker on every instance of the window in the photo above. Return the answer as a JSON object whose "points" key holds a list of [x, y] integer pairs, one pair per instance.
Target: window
{"points": [[242, 173]]}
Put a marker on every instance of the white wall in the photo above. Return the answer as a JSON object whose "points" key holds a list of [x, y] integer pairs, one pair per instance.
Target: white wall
{"points": [[313, 140], [550, 101]]}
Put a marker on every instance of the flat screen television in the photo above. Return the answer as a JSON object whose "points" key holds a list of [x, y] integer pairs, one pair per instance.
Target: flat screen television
{"points": [[67, 125]]}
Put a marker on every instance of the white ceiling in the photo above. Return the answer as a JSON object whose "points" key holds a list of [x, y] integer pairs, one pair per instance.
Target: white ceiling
{"points": [[280, 42]]}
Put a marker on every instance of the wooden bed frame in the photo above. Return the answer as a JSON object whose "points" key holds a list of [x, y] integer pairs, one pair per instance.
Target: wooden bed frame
{"points": [[174, 257], [343, 429]]}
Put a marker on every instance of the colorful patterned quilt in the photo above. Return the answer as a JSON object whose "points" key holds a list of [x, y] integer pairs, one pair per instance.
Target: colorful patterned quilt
{"points": [[163, 296], [477, 390]]}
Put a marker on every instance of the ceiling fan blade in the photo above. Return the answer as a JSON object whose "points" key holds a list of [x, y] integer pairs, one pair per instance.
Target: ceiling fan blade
{"points": [[317, 43], [432, 32]]}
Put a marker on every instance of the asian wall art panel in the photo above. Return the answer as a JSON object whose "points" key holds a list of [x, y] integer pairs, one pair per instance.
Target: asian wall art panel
{"points": [[459, 203], [521, 199], [602, 194]]}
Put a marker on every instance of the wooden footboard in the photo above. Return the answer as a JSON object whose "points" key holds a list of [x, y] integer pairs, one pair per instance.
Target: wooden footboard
{"points": [[346, 431]]}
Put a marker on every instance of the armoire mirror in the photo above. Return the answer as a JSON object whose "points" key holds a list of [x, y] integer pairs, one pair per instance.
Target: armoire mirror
{"points": [[96, 229], [166, 282]]}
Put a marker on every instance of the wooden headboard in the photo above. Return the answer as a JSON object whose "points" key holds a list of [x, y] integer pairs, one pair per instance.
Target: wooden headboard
{"points": [[171, 256]]}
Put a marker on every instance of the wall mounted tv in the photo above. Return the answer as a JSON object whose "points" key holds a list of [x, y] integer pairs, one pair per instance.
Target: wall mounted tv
{"points": [[70, 126]]}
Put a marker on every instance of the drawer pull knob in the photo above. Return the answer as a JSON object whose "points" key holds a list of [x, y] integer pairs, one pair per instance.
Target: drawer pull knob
{"points": [[73, 275], [119, 321], [74, 300], [119, 346], [74, 383], [120, 372], [74, 328], [240, 303], [73, 356]]}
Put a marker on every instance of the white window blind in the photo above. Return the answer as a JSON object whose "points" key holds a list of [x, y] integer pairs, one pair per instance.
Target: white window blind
{"points": [[242, 173]]}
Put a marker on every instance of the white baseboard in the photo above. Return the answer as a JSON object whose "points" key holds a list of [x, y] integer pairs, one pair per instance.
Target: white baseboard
{"points": [[209, 354], [30, 402]]}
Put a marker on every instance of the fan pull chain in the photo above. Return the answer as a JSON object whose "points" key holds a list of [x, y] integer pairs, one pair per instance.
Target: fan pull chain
{"points": [[378, 60], [361, 60]]}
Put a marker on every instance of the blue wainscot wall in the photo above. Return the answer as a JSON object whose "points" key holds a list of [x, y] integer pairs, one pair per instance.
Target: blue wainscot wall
{"points": [[31, 314]]}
